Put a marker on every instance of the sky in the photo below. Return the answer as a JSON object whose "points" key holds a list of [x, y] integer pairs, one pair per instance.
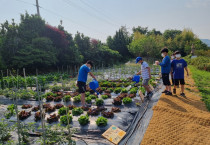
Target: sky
{"points": [[102, 18]]}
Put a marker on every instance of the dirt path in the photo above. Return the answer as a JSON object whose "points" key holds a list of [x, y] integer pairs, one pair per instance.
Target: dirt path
{"points": [[178, 120]]}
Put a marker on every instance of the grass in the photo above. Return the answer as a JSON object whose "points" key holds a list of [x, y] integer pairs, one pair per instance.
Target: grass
{"points": [[202, 78]]}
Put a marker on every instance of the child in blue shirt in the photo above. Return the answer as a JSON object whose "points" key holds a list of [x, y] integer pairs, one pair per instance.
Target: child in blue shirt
{"points": [[165, 70], [177, 67], [82, 79]]}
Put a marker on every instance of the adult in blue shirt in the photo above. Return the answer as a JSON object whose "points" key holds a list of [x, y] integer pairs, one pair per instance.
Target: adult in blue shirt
{"points": [[82, 79], [165, 70], [177, 67]]}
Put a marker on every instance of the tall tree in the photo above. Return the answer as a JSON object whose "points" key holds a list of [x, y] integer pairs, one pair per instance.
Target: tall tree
{"points": [[120, 42]]}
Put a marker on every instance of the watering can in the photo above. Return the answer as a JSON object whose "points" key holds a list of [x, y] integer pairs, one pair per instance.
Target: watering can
{"points": [[94, 85], [136, 78]]}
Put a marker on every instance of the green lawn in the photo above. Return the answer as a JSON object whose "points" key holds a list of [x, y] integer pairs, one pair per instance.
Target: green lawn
{"points": [[202, 80]]}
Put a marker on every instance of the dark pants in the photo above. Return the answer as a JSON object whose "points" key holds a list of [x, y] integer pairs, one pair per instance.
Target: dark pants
{"points": [[165, 77], [82, 86]]}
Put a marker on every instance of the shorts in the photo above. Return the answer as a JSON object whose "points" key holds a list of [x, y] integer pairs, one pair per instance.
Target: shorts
{"points": [[165, 78], [82, 86], [145, 82], [179, 81]]}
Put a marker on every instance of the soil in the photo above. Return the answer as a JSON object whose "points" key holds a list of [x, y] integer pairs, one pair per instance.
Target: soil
{"points": [[179, 120]]}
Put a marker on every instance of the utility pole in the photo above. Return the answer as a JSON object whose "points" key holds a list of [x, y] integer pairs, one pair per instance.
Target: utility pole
{"points": [[37, 7]]}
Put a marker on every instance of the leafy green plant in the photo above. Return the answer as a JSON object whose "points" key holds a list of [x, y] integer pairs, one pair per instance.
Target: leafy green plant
{"points": [[64, 119], [101, 121], [88, 100], [117, 90], [104, 96], [127, 100], [83, 120], [24, 133], [77, 111], [77, 99], [124, 90], [4, 131], [67, 98], [10, 111], [56, 88], [143, 90], [87, 94], [99, 102], [93, 96], [63, 111], [110, 89], [56, 135], [49, 94], [133, 91], [103, 88]]}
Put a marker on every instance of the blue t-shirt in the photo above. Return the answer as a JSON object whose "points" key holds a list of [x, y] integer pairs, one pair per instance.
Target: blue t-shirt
{"points": [[178, 68], [83, 73], [166, 65]]}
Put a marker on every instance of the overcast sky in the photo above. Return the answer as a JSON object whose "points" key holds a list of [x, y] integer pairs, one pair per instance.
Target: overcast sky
{"points": [[101, 18]]}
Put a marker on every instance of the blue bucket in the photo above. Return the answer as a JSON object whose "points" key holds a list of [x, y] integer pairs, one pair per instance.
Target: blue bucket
{"points": [[93, 85], [136, 78]]}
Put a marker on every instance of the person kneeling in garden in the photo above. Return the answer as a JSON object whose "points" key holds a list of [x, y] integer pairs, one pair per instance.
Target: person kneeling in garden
{"points": [[145, 74], [82, 79], [177, 67]]}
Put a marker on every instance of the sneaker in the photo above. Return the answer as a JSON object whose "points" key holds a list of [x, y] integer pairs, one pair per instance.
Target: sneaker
{"points": [[182, 94], [174, 91], [165, 91], [169, 93]]}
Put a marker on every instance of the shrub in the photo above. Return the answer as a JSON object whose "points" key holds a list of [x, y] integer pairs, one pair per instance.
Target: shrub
{"points": [[63, 111], [77, 99], [127, 100], [88, 100], [64, 119], [77, 111], [67, 98], [104, 96], [101, 121], [99, 102], [124, 90], [83, 120], [117, 90]]}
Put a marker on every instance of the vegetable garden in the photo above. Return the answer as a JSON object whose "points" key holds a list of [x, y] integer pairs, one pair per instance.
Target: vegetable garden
{"points": [[46, 109]]}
